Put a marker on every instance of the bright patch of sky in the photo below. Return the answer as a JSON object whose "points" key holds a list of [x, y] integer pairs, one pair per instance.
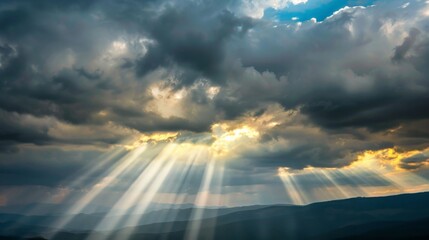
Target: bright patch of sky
{"points": [[318, 9]]}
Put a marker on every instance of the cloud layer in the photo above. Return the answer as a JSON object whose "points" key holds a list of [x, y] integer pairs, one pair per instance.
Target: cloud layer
{"points": [[318, 93]]}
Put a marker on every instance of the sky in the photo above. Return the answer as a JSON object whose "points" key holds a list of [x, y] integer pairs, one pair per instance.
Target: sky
{"points": [[212, 102]]}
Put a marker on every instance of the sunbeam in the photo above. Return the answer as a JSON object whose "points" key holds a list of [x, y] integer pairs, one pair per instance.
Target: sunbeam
{"points": [[180, 186], [131, 196], [162, 170], [101, 163], [328, 188], [373, 174], [107, 180], [216, 200], [83, 178], [146, 187], [330, 175], [292, 190], [193, 230]]}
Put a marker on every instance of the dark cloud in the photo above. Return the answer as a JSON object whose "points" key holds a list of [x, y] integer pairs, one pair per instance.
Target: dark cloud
{"points": [[15, 129], [91, 65], [298, 144], [339, 72], [48, 167], [401, 51], [192, 36], [415, 162]]}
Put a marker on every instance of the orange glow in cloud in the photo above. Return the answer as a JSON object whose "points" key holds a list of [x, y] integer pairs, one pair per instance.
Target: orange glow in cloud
{"points": [[386, 158], [386, 164], [152, 138], [226, 139]]}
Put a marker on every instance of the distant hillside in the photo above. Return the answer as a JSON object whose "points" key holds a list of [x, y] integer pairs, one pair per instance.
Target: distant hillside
{"points": [[394, 217], [17, 223], [20, 238]]}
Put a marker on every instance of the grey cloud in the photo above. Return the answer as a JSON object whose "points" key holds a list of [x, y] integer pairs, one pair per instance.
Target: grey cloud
{"points": [[338, 73], [401, 51], [15, 129], [71, 92], [416, 161], [298, 147], [192, 38], [48, 167], [152, 122]]}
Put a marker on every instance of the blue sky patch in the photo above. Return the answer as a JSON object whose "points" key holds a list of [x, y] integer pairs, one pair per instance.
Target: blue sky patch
{"points": [[319, 9]]}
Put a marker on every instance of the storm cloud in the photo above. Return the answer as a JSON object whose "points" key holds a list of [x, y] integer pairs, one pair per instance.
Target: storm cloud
{"points": [[92, 73]]}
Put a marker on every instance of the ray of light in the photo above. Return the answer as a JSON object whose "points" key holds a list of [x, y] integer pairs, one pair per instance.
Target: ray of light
{"points": [[393, 182], [193, 230], [180, 187], [328, 188], [78, 180], [355, 181], [220, 178], [294, 192], [385, 164], [106, 158], [150, 185], [327, 184], [404, 181], [133, 193], [331, 180], [375, 173], [111, 176], [217, 200], [333, 175]]}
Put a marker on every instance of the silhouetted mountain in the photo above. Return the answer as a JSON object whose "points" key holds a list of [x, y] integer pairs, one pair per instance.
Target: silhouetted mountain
{"points": [[22, 230], [47, 209], [383, 230], [20, 238], [299, 222], [394, 217], [85, 222]]}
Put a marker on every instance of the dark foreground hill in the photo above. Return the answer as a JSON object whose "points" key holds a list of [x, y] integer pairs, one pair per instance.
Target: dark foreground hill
{"points": [[394, 217]]}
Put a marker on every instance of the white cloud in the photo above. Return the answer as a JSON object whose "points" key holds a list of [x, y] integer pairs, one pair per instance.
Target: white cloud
{"points": [[255, 8]]}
